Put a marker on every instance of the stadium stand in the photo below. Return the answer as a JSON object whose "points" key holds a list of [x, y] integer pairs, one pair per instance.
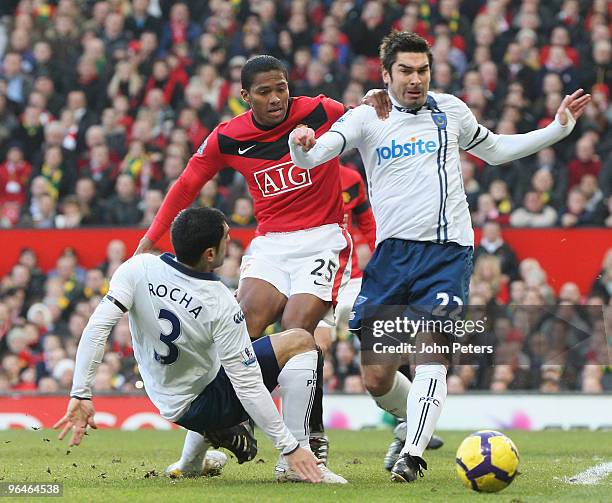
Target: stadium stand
{"points": [[103, 102]]}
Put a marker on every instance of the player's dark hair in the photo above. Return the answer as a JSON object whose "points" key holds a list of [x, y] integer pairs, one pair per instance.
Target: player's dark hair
{"points": [[195, 230], [402, 41], [260, 64]]}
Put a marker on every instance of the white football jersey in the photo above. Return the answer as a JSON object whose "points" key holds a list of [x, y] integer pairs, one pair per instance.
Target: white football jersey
{"points": [[413, 168], [181, 321]]}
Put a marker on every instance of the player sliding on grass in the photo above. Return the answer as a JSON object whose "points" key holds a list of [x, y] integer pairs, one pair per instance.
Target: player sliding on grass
{"points": [[195, 356], [300, 259], [424, 233]]}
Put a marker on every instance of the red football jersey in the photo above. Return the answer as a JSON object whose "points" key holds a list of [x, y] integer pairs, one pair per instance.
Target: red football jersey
{"points": [[286, 198], [357, 210]]}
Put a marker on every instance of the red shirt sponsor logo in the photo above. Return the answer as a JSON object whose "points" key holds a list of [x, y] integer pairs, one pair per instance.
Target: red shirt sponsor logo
{"points": [[282, 178]]}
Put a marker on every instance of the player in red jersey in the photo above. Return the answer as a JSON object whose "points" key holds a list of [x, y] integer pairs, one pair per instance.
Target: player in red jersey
{"points": [[300, 257]]}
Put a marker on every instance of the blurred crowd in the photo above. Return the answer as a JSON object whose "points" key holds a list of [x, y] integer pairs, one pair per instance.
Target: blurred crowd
{"points": [[103, 102], [541, 340]]}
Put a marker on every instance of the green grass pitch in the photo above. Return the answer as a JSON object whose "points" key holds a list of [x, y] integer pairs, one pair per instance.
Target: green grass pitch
{"points": [[114, 466]]}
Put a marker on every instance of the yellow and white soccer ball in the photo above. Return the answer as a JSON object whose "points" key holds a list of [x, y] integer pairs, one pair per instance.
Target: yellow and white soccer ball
{"points": [[487, 461]]}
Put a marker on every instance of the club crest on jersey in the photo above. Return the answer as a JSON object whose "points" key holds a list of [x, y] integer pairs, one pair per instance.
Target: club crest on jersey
{"points": [[281, 178], [248, 356], [439, 119]]}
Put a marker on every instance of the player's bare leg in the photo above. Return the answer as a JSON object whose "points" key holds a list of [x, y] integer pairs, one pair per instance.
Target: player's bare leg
{"points": [[261, 303], [388, 387], [306, 311], [297, 355], [426, 397], [324, 339]]}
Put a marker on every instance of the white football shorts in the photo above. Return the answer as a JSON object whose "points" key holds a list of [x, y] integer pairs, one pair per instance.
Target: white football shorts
{"points": [[315, 261]]}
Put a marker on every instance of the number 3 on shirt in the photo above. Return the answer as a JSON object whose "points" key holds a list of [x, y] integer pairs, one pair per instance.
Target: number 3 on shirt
{"points": [[168, 339]]}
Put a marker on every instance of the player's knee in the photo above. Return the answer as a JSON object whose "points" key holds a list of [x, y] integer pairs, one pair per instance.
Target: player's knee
{"points": [[301, 340]]}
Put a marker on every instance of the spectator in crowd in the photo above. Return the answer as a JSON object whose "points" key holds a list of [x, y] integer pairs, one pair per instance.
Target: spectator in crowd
{"points": [[115, 256], [592, 193], [152, 202], [353, 384], [575, 213], [533, 213], [14, 176], [123, 207], [346, 363], [503, 202], [603, 213], [242, 216], [140, 21], [585, 162], [492, 243], [366, 29]]}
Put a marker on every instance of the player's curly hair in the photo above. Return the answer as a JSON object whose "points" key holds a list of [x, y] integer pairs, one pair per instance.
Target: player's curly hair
{"points": [[402, 41], [260, 64], [195, 230]]}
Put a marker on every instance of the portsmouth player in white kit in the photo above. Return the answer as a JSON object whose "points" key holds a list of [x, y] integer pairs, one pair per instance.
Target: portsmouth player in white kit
{"points": [[424, 233], [195, 355]]}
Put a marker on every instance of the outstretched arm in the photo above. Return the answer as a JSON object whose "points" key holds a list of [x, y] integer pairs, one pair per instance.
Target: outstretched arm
{"points": [[500, 149], [308, 151], [110, 310], [202, 166], [80, 412]]}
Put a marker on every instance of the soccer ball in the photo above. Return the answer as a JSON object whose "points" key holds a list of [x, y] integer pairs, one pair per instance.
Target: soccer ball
{"points": [[487, 461]]}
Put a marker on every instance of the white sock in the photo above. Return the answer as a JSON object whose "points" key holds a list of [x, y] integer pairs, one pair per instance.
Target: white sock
{"points": [[394, 401], [297, 381], [194, 450], [424, 405]]}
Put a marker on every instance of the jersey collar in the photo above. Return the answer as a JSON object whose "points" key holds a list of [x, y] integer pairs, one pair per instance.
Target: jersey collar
{"points": [[430, 104], [268, 128], [170, 259]]}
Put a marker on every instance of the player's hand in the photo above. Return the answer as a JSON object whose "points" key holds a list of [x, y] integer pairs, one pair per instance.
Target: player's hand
{"points": [[574, 104], [379, 99], [305, 137], [79, 415], [305, 465], [144, 246]]}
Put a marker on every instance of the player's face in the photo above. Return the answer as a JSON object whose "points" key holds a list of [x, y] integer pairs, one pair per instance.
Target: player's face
{"points": [[409, 79], [268, 97]]}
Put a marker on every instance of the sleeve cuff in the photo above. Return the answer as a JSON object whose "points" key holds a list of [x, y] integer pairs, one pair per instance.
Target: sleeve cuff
{"points": [[290, 451]]}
